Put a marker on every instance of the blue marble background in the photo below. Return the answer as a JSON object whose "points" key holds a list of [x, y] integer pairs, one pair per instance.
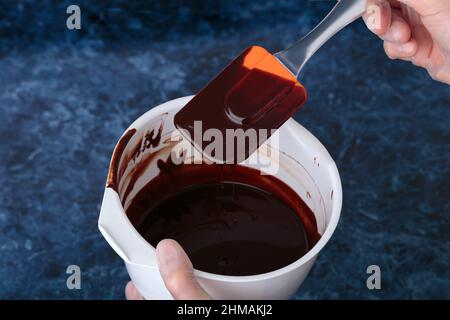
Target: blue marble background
{"points": [[66, 97]]}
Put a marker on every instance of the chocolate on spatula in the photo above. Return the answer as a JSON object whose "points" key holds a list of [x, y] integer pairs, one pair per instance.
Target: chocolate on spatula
{"points": [[255, 93]]}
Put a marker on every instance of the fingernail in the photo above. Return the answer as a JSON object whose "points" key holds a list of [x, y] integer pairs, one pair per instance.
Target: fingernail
{"points": [[373, 20], [167, 257]]}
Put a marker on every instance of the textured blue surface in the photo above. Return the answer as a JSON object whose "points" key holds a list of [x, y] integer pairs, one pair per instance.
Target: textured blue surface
{"points": [[66, 96]]}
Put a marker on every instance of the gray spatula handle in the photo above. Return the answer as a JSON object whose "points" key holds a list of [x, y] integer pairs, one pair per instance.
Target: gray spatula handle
{"points": [[343, 13]]}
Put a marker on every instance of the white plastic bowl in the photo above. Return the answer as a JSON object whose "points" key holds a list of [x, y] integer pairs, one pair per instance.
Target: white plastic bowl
{"points": [[304, 164]]}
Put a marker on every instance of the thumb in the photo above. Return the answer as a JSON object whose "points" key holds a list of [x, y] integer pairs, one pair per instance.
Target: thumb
{"points": [[427, 7], [177, 272]]}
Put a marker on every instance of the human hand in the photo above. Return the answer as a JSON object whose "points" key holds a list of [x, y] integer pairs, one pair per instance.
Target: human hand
{"points": [[414, 30], [177, 272]]}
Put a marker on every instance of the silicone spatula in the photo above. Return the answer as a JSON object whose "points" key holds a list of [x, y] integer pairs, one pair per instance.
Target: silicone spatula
{"points": [[257, 92]]}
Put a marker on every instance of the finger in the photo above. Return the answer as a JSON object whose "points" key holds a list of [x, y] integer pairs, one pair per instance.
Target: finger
{"points": [[378, 16], [405, 51], [422, 57], [132, 293], [399, 30], [441, 73], [439, 68], [395, 4], [177, 272]]}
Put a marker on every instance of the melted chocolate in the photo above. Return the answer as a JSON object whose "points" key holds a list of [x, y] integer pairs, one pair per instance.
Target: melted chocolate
{"points": [[121, 159], [230, 219], [114, 171]]}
